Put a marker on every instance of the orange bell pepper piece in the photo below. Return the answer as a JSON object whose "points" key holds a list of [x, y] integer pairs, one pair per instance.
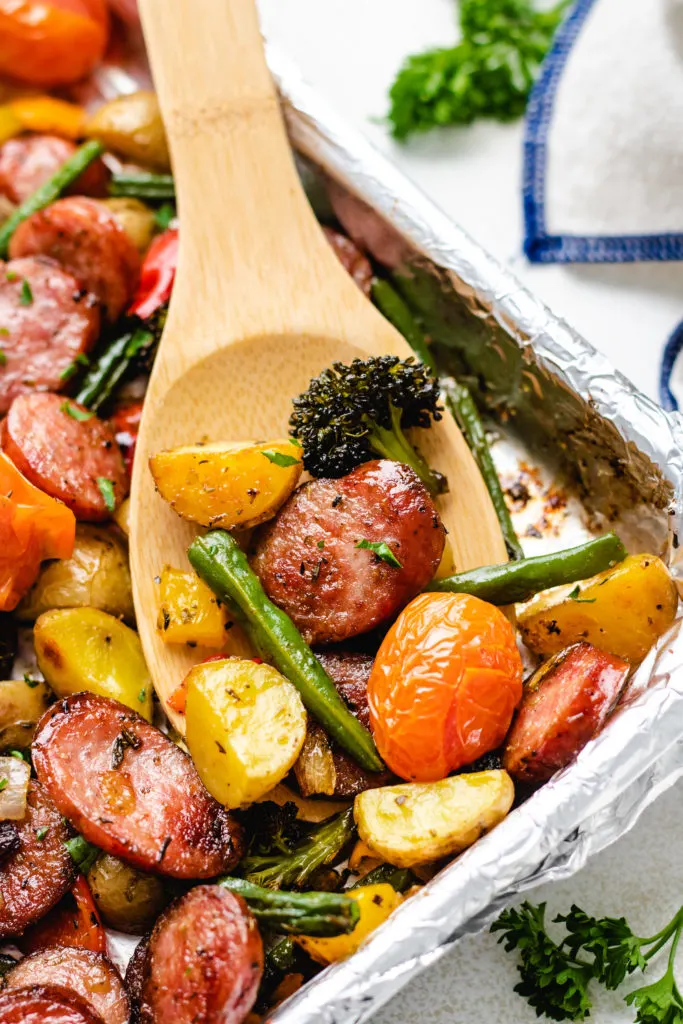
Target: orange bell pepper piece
{"points": [[33, 527], [48, 115], [75, 921]]}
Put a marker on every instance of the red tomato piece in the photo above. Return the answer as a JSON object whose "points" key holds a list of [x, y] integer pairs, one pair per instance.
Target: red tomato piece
{"points": [[75, 921]]}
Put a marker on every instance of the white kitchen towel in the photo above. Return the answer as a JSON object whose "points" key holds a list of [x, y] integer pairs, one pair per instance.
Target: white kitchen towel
{"points": [[603, 162]]}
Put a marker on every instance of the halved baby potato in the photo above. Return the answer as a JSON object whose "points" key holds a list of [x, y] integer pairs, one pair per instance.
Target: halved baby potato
{"points": [[189, 611], [246, 724], [96, 576], [422, 821], [86, 649], [232, 486], [623, 611], [22, 703]]}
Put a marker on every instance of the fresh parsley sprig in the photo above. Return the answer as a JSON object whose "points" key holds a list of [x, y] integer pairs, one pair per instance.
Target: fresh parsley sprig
{"points": [[555, 977]]}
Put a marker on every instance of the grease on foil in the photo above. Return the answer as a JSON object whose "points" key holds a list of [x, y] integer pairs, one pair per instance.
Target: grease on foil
{"points": [[587, 425]]}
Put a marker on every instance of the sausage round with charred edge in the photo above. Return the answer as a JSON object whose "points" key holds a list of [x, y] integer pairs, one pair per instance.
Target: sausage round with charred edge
{"points": [[45, 1004], [28, 161], [564, 705], [92, 976], [40, 871], [204, 962], [67, 457], [310, 564], [351, 258], [85, 238], [131, 791], [46, 322], [134, 978]]}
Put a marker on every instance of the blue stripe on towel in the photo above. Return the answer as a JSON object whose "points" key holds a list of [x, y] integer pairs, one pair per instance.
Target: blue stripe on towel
{"points": [[539, 246], [669, 356]]}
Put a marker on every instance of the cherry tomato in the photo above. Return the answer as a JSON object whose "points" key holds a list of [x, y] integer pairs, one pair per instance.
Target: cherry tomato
{"points": [[444, 685], [75, 921], [52, 42]]}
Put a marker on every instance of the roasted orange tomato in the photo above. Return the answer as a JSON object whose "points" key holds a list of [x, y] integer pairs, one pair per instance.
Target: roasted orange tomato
{"points": [[52, 42], [444, 685]]}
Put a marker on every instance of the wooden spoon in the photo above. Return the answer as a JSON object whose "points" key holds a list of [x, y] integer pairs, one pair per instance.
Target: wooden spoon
{"points": [[261, 303]]}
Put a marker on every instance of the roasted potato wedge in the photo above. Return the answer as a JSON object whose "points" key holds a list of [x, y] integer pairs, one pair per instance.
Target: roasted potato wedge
{"points": [[623, 611], [376, 902], [417, 822], [131, 127], [127, 900], [122, 517], [136, 219], [229, 486], [246, 724], [96, 576], [189, 611], [86, 649], [22, 702]]}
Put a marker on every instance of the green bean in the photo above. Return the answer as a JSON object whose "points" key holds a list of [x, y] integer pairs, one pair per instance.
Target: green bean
{"points": [[297, 913], [399, 878], [219, 560], [50, 190], [518, 581], [398, 313], [142, 186], [111, 367]]}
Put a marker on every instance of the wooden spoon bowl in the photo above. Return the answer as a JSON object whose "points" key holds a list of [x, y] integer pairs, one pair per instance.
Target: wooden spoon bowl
{"points": [[261, 304]]}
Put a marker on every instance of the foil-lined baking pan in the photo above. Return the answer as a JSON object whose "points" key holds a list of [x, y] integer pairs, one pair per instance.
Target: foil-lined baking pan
{"points": [[561, 404]]}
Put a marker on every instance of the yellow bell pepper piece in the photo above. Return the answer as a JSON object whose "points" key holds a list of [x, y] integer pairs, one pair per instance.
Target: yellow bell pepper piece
{"points": [[49, 115], [376, 903], [189, 612], [10, 125]]}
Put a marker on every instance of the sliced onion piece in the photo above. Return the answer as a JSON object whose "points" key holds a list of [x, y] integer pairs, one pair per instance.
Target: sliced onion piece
{"points": [[314, 770], [14, 779]]}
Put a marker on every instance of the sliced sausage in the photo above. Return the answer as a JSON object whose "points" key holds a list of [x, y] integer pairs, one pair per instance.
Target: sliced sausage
{"points": [[310, 564], [205, 961], [131, 791], [69, 458], [351, 258], [46, 322], [92, 976], [28, 161], [135, 977], [9, 839], [565, 704], [45, 1004], [41, 870], [85, 238]]}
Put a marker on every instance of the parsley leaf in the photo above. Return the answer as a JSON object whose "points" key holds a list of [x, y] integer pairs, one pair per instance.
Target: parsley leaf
{"points": [[3, 357], [75, 412], [576, 596], [617, 951], [82, 853], [382, 550], [4, 783], [32, 683], [42, 832], [280, 459], [26, 295], [164, 215], [107, 491]]}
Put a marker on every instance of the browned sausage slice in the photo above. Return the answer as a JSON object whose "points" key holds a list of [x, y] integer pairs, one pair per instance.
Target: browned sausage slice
{"points": [[29, 161], [310, 565], [46, 322], [565, 704], [40, 872], [92, 976], [68, 458], [9, 839], [135, 978], [45, 1004], [86, 239], [352, 259], [205, 961], [131, 791]]}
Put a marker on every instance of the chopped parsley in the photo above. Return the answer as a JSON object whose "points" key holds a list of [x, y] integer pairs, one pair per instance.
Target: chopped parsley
{"points": [[164, 215], [4, 332], [4, 783], [3, 357], [107, 491], [12, 276], [280, 459], [17, 754], [142, 696], [26, 295], [75, 413], [72, 368], [382, 550], [576, 596], [42, 832], [320, 544], [30, 682]]}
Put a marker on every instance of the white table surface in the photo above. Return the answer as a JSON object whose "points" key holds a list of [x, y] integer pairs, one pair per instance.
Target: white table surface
{"points": [[350, 49]]}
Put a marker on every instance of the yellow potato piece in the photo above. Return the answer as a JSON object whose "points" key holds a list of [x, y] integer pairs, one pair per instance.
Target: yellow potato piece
{"points": [[122, 517], [230, 486], [245, 726], [22, 703], [189, 611], [131, 127], [136, 219], [86, 649], [623, 611], [96, 576], [422, 821], [376, 902]]}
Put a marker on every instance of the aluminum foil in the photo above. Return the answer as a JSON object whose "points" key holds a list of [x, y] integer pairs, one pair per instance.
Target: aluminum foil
{"points": [[550, 389]]}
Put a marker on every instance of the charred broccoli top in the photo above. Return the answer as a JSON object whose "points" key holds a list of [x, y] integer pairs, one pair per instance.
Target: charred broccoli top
{"points": [[352, 413]]}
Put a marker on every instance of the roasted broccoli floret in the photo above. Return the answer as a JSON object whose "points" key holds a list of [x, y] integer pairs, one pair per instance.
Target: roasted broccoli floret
{"points": [[352, 413], [291, 870]]}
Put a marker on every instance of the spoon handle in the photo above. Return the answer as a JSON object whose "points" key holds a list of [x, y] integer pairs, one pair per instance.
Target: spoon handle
{"points": [[237, 186]]}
